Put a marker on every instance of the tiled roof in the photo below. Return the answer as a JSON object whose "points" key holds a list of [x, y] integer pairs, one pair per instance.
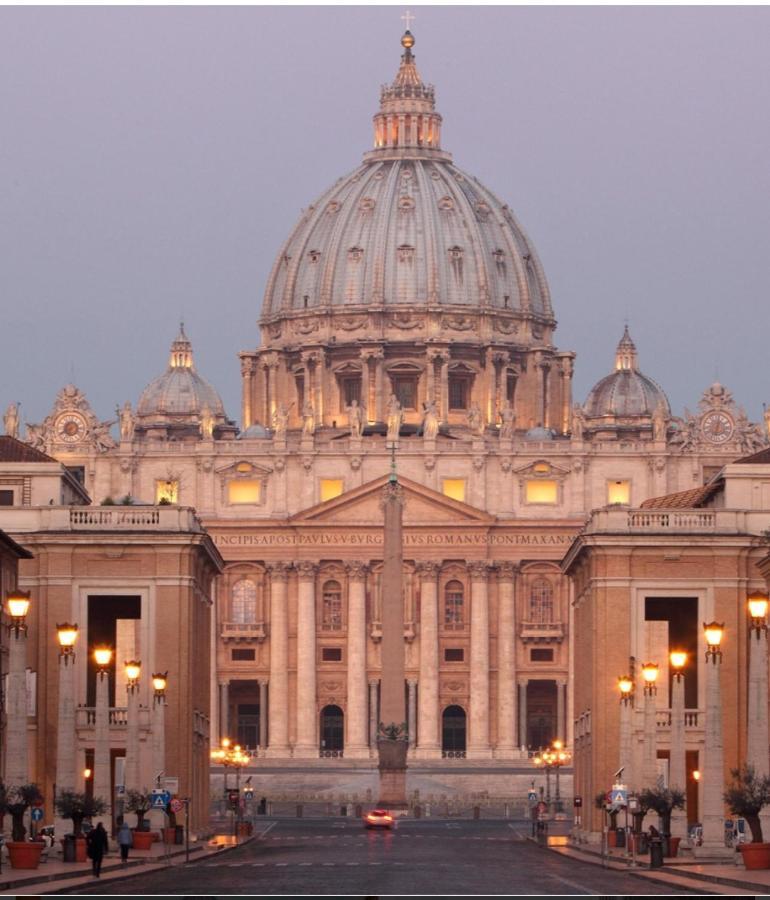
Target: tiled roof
{"points": [[763, 456], [10, 544], [13, 450], [690, 499]]}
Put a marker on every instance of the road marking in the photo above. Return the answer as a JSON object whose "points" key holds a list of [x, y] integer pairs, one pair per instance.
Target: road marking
{"points": [[270, 827], [572, 884], [282, 864], [306, 864]]}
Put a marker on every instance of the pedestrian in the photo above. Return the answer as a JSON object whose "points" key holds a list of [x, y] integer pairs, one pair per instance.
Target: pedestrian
{"points": [[125, 840], [97, 845]]}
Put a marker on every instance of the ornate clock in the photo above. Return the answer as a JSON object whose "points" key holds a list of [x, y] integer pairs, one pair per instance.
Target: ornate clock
{"points": [[717, 427], [70, 428]]}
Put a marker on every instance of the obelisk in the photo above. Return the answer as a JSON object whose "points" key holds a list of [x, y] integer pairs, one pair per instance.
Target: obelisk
{"points": [[392, 737]]}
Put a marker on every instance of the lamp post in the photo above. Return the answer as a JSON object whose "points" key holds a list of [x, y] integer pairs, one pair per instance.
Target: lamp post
{"points": [[17, 604], [758, 732], [677, 773], [713, 750], [559, 757], [102, 763], [133, 669], [626, 688], [159, 683], [541, 760], [650, 761], [232, 757], [66, 773]]}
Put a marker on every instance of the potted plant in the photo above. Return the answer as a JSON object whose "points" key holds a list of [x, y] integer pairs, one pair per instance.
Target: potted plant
{"points": [[745, 797], [169, 833], [139, 802], [664, 801], [16, 801], [77, 806]]}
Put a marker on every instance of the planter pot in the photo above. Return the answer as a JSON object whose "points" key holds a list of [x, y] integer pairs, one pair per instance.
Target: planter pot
{"points": [[24, 854], [673, 846], [142, 840], [73, 849], [612, 838], [755, 856], [244, 829], [169, 835]]}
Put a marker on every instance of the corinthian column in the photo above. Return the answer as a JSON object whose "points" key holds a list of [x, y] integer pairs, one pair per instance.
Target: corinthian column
{"points": [[356, 743], [279, 662], [427, 709], [307, 732], [506, 669], [478, 744]]}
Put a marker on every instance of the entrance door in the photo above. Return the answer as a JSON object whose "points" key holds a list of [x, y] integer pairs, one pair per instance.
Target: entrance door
{"points": [[332, 731], [453, 730]]}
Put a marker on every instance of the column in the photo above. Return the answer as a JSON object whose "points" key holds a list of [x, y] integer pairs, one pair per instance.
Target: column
{"points": [[677, 775], [102, 761], [567, 367], [561, 706], [16, 723], [478, 743], [713, 763], [365, 388], [650, 752], [757, 737], [356, 732], [131, 777], [262, 714], [428, 730], [307, 711], [279, 661], [379, 400], [65, 738], [224, 710], [373, 713], [506, 666], [444, 387], [625, 745], [247, 374], [523, 714], [412, 712]]}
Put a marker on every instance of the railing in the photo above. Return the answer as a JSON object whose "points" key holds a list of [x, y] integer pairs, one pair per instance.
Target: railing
{"points": [[670, 519], [85, 717], [541, 630], [244, 631], [663, 718]]}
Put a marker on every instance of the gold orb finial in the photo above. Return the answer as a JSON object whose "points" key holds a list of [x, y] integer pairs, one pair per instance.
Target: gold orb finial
{"points": [[407, 41]]}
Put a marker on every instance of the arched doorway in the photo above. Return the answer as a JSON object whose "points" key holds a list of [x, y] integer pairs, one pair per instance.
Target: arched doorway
{"points": [[453, 730], [332, 731]]}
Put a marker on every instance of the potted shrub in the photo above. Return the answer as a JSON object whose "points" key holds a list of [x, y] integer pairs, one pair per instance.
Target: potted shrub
{"points": [[77, 807], [139, 802], [664, 801], [745, 797], [16, 801]]}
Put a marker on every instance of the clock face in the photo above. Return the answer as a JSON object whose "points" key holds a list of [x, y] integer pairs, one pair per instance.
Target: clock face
{"points": [[717, 427], [70, 428]]}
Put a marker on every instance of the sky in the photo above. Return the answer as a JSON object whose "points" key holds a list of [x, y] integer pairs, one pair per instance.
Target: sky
{"points": [[154, 159]]}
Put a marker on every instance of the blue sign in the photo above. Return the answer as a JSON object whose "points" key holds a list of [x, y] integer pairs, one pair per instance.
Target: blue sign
{"points": [[618, 797], [160, 799], [532, 796], [37, 813]]}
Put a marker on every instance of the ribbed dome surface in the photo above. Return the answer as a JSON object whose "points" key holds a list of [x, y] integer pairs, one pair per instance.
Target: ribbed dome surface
{"points": [[408, 231], [626, 393], [179, 392]]}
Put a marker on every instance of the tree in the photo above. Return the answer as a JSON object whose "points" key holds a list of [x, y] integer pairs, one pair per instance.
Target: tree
{"points": [[76, 806], [16, 801], [746, 796], [663, 801], [138, 802]]}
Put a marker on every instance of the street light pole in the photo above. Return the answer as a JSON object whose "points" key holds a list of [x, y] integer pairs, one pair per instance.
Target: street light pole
{"points": [[713, 750], [758, 732], [16, 749], [65, 737], [650, 764], [133, 669], [102, 764], [677, 762], [626, 687]]}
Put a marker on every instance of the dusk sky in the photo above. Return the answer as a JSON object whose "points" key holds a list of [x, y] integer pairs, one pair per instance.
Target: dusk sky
{"points": [[153, 160]]}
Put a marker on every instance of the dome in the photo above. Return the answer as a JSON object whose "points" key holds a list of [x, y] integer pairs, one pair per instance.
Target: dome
{"points": [[407, 228], [627, 392], [539, 433], [254, 431]]}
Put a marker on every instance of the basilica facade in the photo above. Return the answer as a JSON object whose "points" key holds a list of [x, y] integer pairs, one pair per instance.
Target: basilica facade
{"points": [[407, 322]]}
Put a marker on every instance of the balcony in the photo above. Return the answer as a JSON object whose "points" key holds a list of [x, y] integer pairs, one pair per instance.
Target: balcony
{"points": [[375, 632], [540, 632], [693, 719], [85, 721], [23, 519], [243, 631]]}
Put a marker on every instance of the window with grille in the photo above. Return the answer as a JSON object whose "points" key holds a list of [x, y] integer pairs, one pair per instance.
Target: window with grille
{"points": [[405, 388], [350, 390], [453, 605], [331, 615], [6, 498], [541, 601], [454, 654], [459, 391], [244, 601], [538, 654], [242, 655], [331, 654]]}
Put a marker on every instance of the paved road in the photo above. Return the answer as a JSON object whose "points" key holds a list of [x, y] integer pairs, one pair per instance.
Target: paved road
{"points": [[338, 857]]}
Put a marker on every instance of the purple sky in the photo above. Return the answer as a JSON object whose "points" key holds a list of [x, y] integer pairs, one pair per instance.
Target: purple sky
{"points": [[152, 161]]}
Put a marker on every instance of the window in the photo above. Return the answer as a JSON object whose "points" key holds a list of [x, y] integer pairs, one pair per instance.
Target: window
{"points": [[350, 390], [540, 655], [6, 498], [331, 654], [454, 654], [510, 386], [299, 383], [330, 488], [541, 601], [453, 605], [454, 488], [166, 491], [459, 391], [242, 655], [331, 613], [244, 601], [405, 388], [619, 492], [542, 491], [244, 490]]}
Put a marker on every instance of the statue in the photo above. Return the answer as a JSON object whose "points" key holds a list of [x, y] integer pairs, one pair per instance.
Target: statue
{"points": [[475, 420], [430, 420], [766, 411], [281, 419], [395, 418], [578, 422], [308, 418], [102, 437], [659, 423], [508, 415], [126, 417], [11, 420], [207, 423], [355, 419], [35, 436]]}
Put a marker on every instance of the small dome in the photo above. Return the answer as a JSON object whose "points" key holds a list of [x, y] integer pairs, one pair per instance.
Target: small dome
{"points": [[539, 433], [254, 431], [627, 392]]}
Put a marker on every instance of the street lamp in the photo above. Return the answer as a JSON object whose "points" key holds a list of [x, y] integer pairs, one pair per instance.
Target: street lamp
{"points": [[713, 749], [232, 757], [17, 604], [102, 766], [626, 688], [758, 736], [650, 765], [65, 737], [159, 683], [132, 669], [677, 760], [552, 758]]}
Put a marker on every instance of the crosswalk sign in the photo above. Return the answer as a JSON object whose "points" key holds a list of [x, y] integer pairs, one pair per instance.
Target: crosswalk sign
{"points": [[532, 796], [619, 798], [160, 799]]}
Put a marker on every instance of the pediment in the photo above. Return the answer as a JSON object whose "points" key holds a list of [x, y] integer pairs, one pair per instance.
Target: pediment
{"points": [[361, 506]]}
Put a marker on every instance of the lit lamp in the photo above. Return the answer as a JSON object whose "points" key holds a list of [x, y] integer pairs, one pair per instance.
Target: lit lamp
{"points": [[102, 656], [66, 768], [650, 765], [677, 758], [132, 669], [626, 688], [15, 765], [159, 683], [713, 747], [758, 733], [232, 757]]}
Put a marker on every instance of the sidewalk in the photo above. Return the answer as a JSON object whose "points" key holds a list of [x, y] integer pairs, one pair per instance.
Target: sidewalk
{"points": [[55, 875], [686, 873]]}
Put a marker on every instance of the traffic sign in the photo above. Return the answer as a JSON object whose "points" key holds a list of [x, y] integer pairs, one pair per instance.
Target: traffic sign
{"points": [[578, 801], [120, 790], [618, 798], [176, 805], [37, 813], [160, 799], [532, 796]]}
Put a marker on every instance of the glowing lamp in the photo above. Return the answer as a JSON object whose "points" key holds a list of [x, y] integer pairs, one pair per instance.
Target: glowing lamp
{"points": [[159, 682], [678, 659], [696, 775], [625, 685], [758, 603], [650, 672], [102, 656], [87, 774], [713, 632], [558, 744], [67, 635], [133, 669], [18, 604]]}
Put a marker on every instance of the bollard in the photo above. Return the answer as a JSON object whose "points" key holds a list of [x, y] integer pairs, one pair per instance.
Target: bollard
{"points": [[299, 810], [417, 812], [656, 853], [476, 812]]}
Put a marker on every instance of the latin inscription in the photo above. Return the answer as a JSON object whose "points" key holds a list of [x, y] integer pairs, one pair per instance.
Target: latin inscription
{"points": [[357, 539]]}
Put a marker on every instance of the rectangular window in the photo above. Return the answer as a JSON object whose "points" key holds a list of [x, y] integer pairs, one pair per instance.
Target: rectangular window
{"points": [[541, 655], [351, 390], [542, 491], [405, 388], [619, 492], [330, 488], [331, 654], [6, 498], [454, 654], [510, 387], [244, 490], [166, 491], [242, 655], [454, 488], [458, 392]]}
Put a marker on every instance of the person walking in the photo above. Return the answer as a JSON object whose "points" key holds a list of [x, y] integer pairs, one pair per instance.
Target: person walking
{"points": [[97, 845], [125, 841]]}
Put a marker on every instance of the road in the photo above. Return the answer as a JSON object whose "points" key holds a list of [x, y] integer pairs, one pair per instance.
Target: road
{"points": [[425, 856]]}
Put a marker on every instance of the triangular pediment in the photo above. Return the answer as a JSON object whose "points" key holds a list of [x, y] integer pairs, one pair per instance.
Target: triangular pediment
{"points": [[361, 506]]}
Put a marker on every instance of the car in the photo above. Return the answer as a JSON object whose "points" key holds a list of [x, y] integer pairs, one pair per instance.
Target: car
{"points": [[379, 818]]}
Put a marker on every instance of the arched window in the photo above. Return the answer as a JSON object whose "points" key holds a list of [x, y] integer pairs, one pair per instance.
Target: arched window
{"points": [[332, 731], [244, 603], [453, 726], [331, 614], [541, 601], [454, 616]]}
